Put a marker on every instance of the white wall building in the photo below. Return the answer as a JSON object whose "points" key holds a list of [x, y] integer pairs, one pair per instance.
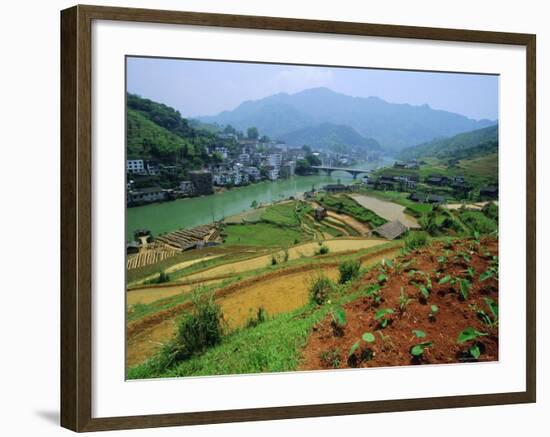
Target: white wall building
{"points": [[275, 160], [135, 166]]}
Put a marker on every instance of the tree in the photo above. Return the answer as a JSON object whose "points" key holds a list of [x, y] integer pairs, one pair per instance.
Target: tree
{"points": [[252, 133], [229, 130], [312, 159], [264, 139], [302, 167]]}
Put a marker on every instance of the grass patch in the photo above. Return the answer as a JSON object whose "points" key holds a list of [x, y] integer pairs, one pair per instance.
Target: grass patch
{"points": [[274, 345], [416, 240], [346, 205], [478, 222], [262, 234]]}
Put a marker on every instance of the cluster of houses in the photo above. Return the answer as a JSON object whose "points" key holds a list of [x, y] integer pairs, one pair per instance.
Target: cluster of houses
{"points": [[200, 184], [411, 164]]}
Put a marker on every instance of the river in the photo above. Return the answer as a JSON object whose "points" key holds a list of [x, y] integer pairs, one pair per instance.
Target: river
{"points": [[185, 213]]}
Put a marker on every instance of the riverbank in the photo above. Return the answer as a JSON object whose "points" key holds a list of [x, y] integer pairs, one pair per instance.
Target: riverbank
{"points": [[195, 211]]}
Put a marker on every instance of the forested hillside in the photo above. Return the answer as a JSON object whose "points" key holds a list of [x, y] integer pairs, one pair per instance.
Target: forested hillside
{"points": [[156, 131], [464, 145]]}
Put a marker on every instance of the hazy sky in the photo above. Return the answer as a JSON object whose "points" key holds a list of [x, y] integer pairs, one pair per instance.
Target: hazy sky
{"points": [[209, 87]]}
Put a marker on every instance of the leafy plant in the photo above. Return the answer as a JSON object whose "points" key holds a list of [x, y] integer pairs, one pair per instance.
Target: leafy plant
{"points": [[489, 273], [424, 291], [382, 316], [319, 289], [448, 279], [465, 287], [374, 291], [349, 270], [489, 320], [470, 334], [433, 311], [404, 300], [418, 349], [339, 316], [382, 278], [366, 338], [418, 333]]}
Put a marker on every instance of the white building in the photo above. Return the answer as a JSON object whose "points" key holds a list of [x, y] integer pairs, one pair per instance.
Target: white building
{"points": [[275, 160], [253, 173], [186, 187], [273, 173], [135, 166], [244, 158]]}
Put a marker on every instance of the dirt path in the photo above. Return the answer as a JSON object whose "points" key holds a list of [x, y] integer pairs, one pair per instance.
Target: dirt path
{"points": [[477, 206], [303, 250], [388, 210], [152, 294], [277, 292]]}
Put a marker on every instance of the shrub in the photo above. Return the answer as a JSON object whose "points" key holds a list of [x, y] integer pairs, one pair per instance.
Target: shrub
{"points": [[196, 331], [415, 240], [159, 279], [320, 289], [163, 277], [491, 210], [323, 250], [349, 270]]}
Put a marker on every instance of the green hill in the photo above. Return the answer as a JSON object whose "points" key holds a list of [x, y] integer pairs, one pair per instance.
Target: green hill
{"points": [[330, 136], [465, 145], [159, 132]]}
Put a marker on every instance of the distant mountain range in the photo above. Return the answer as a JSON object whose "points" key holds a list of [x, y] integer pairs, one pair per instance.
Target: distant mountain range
{"points": [[459, 146], [297, 116]]}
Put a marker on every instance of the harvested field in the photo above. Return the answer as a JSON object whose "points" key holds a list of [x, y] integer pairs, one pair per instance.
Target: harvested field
{"points": [[151, 255], [388, 210], [188, 238]]}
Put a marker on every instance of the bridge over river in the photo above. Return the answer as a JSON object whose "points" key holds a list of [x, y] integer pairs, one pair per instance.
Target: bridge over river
{"points": [[353, 171]]}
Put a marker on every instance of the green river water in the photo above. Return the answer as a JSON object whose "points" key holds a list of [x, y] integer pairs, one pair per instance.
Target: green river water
{"points": [[186, 213]]}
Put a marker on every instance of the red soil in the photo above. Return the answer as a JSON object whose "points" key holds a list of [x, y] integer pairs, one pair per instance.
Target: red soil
{"points": [[329, 346]]}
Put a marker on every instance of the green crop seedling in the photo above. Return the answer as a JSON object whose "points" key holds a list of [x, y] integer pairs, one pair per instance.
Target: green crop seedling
{"points": [[470, 334], [382, 316]]}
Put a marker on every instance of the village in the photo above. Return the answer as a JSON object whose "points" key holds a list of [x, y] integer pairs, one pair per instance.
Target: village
{"points": [[234, 161]]}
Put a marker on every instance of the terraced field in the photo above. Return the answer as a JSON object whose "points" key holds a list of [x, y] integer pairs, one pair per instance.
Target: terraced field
{"points": [[276, 292]]}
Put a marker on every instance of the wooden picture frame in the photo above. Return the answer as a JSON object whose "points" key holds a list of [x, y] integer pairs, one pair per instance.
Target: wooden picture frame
{"points": [[76, 217]]}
